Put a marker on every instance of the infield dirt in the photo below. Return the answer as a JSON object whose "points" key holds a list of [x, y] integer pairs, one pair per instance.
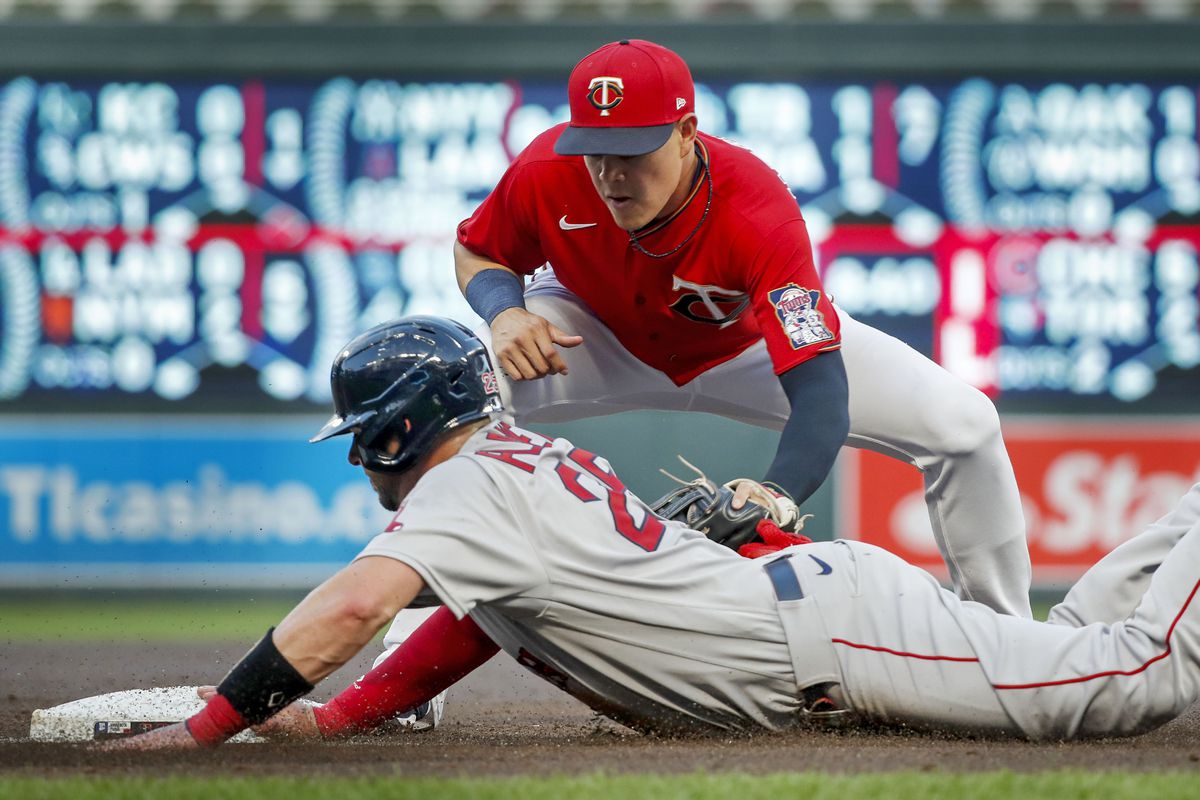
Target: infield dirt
{"points": [[501, 721]]}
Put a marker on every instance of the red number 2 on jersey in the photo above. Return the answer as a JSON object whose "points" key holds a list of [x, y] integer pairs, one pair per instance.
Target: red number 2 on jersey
{"points": [[646, 536]]}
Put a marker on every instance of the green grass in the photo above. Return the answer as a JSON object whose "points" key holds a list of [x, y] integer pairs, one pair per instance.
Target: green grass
{"points": [[148, 617], [153, 616], [809, 786]]}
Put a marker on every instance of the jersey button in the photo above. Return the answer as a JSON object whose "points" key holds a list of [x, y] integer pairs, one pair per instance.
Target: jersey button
{"points": [[653, 337], [639, 300]]}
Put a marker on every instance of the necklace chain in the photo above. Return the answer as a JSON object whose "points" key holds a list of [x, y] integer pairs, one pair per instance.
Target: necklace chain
{"points": [[637, 245]]}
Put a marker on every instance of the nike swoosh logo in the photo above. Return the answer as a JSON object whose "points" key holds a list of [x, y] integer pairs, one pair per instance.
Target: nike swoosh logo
{"points": [[825, 568], [573, 226]]}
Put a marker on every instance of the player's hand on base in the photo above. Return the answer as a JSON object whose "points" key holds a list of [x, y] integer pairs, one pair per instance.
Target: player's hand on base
{"points": [[294, 723], [171, 737], [526, 345]]}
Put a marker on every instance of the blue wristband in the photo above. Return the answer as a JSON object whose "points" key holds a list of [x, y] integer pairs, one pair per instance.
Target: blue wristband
{"points": [[493, 291]]}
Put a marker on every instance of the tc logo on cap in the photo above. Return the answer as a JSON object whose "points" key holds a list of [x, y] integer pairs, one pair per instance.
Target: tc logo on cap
{"points": [[605, 93]]}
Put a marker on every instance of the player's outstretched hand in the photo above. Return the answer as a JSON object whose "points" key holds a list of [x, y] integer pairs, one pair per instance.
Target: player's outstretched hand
{"points": [[171, 737], [296, 723], [526, 345]]}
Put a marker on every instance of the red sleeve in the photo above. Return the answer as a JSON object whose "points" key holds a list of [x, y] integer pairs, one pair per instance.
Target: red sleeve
{"points": [[504, 227], [795, 315], [436, 656]]}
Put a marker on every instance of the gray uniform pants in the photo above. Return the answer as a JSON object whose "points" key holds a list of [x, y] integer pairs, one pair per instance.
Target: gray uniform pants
{"points": [[912, 652]]}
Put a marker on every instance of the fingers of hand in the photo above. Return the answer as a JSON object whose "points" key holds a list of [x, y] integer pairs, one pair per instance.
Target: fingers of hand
{"points": [[308, 723], [294, 722], [756, 491], [780, 507], [516, 365], [557, 365], [530, 352], [538, 356], [741, 494], [206, 692], [561, 337]]}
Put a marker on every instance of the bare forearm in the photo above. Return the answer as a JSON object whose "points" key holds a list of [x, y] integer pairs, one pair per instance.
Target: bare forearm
{"points": [[338, 618], [321, 635]]}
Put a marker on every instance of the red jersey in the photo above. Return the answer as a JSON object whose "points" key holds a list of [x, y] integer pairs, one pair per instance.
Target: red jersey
{"points": [[747, 272]]}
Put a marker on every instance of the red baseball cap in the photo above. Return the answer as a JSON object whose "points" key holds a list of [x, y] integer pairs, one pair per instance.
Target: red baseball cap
{"points": [[625, 99]]}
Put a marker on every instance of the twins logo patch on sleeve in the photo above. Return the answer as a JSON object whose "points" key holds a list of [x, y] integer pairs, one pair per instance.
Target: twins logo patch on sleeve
{"points": [[796, 309]]}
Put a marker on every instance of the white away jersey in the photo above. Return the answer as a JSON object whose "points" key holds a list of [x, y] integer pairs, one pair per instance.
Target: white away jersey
{"points": [[644, 620]]}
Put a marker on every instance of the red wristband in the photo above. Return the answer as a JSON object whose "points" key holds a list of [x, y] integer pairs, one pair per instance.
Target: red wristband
{"points": [[216, 722]]}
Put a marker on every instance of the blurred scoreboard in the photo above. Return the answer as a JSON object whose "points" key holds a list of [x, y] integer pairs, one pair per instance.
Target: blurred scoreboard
{"points": [[191, 246]]}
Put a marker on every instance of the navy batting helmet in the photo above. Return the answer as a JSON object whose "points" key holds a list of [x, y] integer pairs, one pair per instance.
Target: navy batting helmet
{"points": [[413, 378]]}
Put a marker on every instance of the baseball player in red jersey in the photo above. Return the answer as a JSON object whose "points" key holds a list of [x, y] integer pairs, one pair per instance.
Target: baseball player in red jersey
{"points": [[681, 277], [747, 273]]}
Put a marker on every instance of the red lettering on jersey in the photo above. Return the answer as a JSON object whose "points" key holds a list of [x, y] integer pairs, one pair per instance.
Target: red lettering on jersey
{"points": [[647, 536], [506, 433], [395, 524], [570, 479]]}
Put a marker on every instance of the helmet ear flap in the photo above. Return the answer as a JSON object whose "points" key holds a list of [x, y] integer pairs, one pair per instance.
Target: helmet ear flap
{"points": [[374, 453], [402, 432]]}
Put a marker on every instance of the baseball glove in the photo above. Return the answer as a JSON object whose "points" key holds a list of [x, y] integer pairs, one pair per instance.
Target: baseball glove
{"points": [[704, 506]]}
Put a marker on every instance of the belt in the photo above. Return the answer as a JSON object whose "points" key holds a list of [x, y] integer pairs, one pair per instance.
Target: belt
{"points": [[821, 699]]}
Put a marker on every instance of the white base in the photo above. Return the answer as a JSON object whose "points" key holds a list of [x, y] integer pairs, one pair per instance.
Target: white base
{"points": [[115, 713]]}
